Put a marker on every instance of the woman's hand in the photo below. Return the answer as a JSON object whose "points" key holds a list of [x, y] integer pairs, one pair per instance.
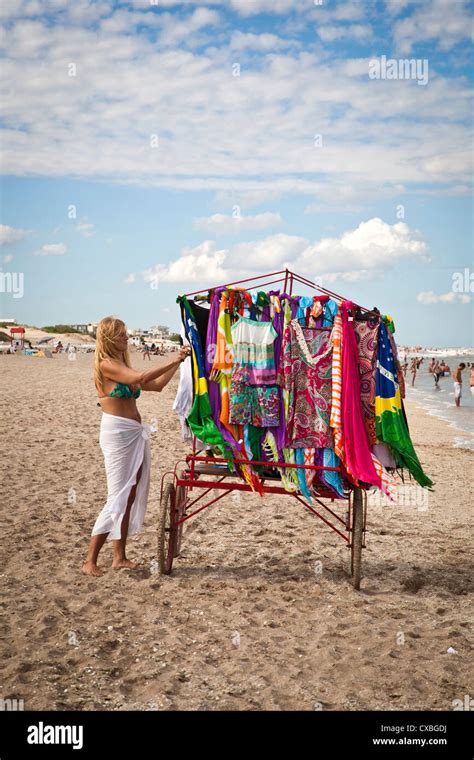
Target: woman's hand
{"points": [[184, 352]]}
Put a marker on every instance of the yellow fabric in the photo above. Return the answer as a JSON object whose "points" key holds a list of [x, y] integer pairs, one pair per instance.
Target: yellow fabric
{"points": [[387, 404]]}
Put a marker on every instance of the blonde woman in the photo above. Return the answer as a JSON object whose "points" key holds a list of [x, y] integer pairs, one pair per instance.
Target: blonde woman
{"points": [[123, 440]]}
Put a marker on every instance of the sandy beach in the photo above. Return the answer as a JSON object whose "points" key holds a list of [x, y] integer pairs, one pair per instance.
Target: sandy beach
{"points": [[245, 622]]}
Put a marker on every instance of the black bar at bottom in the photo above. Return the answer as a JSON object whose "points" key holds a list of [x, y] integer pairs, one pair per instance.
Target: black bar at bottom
{"points": [[105, 734]]}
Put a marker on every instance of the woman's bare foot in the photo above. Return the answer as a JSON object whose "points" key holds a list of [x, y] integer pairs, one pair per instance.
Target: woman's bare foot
{"points": [[118, 563], [90, 568]]}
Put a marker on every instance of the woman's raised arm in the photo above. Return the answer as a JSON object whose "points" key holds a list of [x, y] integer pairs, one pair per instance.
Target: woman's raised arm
{"points": [[116, 371]]}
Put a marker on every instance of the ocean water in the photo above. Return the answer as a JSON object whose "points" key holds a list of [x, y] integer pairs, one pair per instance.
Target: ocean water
{"points": [[440, 403]]}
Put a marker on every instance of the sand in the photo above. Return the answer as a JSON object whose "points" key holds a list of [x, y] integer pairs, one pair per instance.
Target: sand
{"points": [[245, 621]]}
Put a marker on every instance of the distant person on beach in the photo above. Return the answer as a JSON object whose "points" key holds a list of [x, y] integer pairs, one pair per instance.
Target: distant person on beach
{"points": [[432, 365], [146, 351], [123, 440], [413, 370], [445, 368], [457, 377], [437, 374], [470, 367]]}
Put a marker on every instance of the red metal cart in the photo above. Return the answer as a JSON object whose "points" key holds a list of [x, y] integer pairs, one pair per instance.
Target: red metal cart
{"points": [[180, 502], [180, 487]]}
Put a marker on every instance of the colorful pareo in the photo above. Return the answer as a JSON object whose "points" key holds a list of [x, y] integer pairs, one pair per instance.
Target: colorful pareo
{"points": [[252, 404], [305, 374], [366, 334]]}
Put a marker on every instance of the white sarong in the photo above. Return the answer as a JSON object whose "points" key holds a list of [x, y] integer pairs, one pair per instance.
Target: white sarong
{"points": [[126, 447]]}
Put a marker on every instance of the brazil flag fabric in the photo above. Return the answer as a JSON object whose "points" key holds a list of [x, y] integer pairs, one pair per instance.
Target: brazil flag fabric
{"points": [[200, 418], [390, 421]]}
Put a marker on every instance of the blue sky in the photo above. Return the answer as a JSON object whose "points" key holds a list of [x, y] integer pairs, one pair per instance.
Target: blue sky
{"points": [[151, 149]]}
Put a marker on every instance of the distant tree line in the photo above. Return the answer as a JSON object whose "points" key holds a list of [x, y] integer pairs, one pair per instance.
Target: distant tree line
{"points": [[61, 329]]}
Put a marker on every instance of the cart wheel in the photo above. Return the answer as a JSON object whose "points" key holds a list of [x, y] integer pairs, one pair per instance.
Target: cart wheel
{"points": [[181, 495], [167, 533], [356, 543]]}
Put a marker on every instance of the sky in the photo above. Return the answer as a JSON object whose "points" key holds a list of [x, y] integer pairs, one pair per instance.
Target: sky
{"points": [[152, 148]]}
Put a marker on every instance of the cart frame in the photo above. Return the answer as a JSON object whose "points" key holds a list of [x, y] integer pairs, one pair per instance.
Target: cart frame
{"points": [[178, 502]]}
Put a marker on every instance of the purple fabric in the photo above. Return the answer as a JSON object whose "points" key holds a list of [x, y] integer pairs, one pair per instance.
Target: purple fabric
{"points": [[213, 387], [319, 462], [278, 323], [294, 305]]}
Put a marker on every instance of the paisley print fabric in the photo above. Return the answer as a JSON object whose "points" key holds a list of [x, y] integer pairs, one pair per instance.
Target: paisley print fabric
{"points": [[305, 374], [367, 335]]}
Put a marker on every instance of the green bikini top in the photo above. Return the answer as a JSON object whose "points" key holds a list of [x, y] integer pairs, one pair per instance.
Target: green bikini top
{"points": [[122, 390]]}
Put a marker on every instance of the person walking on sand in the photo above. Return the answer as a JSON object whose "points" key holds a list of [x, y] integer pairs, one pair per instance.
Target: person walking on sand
{"points": [[123, 440], [457, 377], [146, 352]]}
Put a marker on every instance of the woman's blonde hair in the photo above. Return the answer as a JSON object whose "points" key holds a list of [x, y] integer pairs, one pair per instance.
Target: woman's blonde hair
{"points": [[105, 347]]}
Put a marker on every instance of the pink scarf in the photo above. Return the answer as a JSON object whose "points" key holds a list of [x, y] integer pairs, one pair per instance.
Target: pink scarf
{"points": [[358, 457]]}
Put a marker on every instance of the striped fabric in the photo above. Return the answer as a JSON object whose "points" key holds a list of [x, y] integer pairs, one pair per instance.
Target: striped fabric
{"points": [[389, 485], [336, 416]]}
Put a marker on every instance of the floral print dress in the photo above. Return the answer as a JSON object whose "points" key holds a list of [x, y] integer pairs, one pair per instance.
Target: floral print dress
{"points": [[305, 374]]}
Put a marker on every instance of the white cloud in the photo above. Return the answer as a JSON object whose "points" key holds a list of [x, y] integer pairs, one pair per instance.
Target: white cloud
{"points": [[374, 246], [130, 278], [275, 251], [11, 234], [146, 4], [253, 7], [86, 229], [200, 264], [262, 42], [243, 7], [395, 7], [429, 297], [51, 249], [443, 21], [371, 250], [330, 32], [175, 30], [222, 223], [349, 11]]}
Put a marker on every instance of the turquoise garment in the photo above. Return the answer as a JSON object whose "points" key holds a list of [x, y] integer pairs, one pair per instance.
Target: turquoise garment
{"points": [[122, 390], [330, 477], [304, 303], [301, 473], [330, 311]]}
